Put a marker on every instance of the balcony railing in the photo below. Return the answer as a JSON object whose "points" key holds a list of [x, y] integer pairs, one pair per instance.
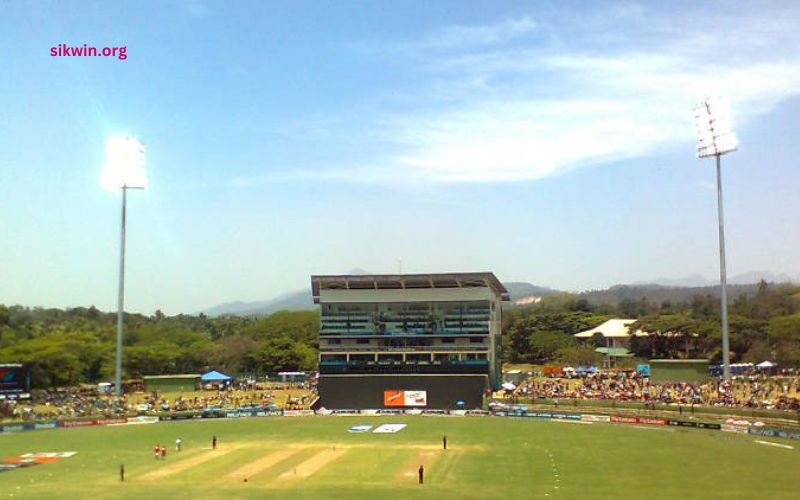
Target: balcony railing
{"points": [[449, 333], [478, 366], [415, 349]]}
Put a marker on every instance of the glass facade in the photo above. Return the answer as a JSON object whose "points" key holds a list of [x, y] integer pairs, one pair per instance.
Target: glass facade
{"points": [[406, 337], [406, 319]]}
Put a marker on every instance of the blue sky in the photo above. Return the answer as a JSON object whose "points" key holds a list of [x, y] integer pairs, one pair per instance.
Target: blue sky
{"points": [[547, 142]]}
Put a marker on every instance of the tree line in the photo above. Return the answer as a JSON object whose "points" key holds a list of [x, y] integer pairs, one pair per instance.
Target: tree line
{"points": [[67, 347], [764, 325]]}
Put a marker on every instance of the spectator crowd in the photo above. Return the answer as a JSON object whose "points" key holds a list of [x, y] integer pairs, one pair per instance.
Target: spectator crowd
{"points": [[86, 402], [753, 391]]}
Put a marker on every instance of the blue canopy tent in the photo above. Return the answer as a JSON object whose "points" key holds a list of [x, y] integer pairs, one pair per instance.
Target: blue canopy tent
{"points": [[215, 378]]}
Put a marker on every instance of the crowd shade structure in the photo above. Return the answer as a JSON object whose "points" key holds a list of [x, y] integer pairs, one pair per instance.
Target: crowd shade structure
{"points": [[408, 340], [124, 170], [716, 139]]}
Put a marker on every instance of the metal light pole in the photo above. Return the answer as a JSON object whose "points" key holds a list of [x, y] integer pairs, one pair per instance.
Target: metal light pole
{"points": [[121, 297], [124, 169], [716, 139]]}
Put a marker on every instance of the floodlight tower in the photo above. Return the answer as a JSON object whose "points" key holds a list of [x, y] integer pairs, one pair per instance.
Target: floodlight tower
{"points": [[124, 169], [716, 139]]}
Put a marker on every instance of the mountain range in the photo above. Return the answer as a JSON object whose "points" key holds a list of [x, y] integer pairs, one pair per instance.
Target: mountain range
{"points": [[658, 290], [695, 280]]}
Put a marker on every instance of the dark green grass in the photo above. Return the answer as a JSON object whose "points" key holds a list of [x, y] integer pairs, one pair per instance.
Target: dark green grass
{"points": [[487, 457]]}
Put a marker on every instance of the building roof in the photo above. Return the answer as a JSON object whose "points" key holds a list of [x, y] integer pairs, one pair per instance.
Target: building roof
{"points": [[619, 328], [167, 377], [406, 281]]}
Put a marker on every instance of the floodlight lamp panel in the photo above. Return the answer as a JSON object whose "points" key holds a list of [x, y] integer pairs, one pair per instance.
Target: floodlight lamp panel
{"points": [[713, 126], [124, 165]]}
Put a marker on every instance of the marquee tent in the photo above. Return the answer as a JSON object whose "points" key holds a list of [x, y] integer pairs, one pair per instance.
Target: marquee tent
{"points": [[214, 376]]}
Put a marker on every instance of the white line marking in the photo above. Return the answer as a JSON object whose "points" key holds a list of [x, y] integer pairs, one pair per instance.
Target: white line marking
{"points": [[779, 445]]}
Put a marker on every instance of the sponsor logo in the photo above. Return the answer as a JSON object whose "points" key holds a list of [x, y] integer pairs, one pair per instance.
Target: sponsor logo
{"points": [[78, 423], [774, 433], [298, 413], [682, 423], [32, 459], [624, 420], [746, 423], [45, 425], [143, 420], [389, 428], [395, 398], [652, 421], [359, 428], [566, 416], [596, 418], [113, 421], [733, 428]]}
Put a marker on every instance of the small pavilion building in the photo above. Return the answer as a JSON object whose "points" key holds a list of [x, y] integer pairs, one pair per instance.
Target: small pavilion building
{"points": [[616, 334]]}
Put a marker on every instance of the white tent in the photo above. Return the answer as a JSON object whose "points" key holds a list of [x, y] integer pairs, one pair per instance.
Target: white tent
{"points": [[613, 328], [765, 364], [508, 386]]}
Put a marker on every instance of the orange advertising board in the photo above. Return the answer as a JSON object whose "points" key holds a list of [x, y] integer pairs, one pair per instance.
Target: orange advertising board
{"points": [[393, 398]]}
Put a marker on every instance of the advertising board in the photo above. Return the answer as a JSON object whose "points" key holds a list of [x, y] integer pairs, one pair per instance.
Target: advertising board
{"points": [[397, 398]]}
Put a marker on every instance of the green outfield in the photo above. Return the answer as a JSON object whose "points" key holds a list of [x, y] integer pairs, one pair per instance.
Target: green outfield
{"points": [[316, 457]]}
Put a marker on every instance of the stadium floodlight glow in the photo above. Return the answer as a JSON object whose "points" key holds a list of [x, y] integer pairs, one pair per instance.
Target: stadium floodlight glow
{"points": [[716, 139], [124, 166], [123, 169]]}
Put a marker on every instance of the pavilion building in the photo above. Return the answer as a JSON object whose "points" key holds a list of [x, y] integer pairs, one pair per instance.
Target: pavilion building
{"points": [[408, 340]]}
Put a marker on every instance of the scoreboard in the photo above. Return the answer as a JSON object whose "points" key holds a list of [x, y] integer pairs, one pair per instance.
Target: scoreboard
{"points": [[15, 378]]}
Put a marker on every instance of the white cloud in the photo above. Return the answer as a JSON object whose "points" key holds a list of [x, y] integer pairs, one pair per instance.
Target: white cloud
{"points": [[524, 100], [524, 113]]}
